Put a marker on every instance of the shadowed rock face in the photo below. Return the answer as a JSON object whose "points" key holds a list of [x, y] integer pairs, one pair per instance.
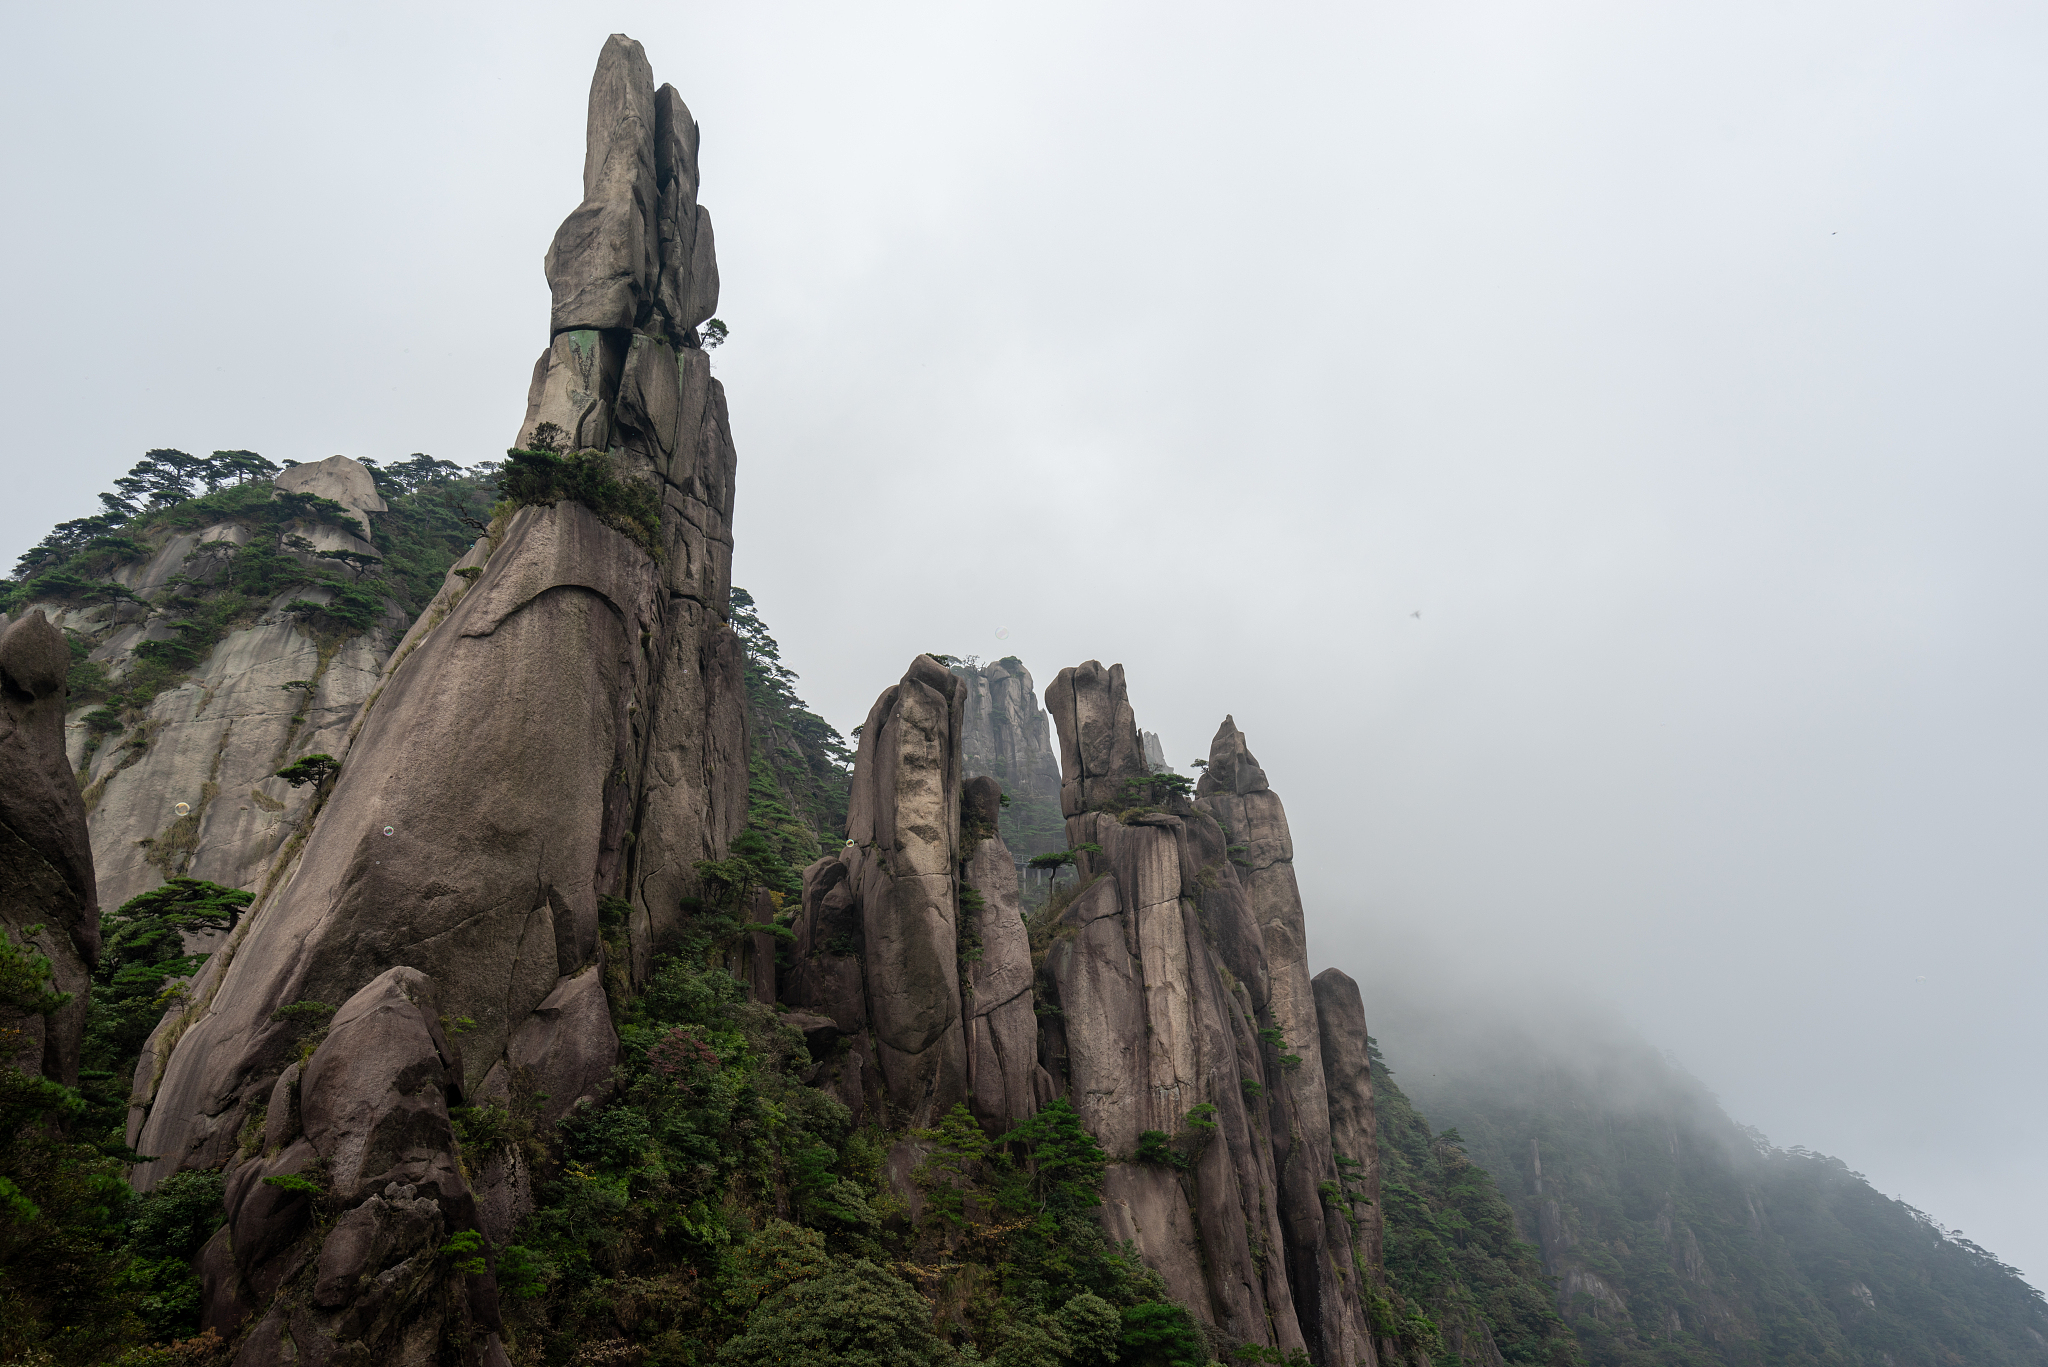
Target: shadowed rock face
{"points": [[566, 728], [46, 874], [881, 936], [371, 1124], [1169, 986]]}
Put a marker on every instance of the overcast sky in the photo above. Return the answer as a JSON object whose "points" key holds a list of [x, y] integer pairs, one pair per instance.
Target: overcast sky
{"points": [[1680, 364]]}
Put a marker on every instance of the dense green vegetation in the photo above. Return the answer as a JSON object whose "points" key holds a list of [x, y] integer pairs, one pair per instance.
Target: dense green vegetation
{"points": [[1457, 1273], [801, 770], [1685, 1241], [548, 475], [721, 1211], [436, 511], [88, 1269]]}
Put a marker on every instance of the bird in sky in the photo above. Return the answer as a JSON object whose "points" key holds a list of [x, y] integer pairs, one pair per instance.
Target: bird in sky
{"points": [[1416, 615]]}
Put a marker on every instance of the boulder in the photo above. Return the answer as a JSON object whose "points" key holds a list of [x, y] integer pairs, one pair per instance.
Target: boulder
{"points": [[375, 1097], [347, 482], [46, 865], [1099, 745], [567, 1047]]}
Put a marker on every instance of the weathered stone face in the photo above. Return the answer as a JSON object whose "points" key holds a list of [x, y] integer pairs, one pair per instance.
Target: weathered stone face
{"points": [[905, 819], [216, 740], [46, 869], [1003, 1073]]}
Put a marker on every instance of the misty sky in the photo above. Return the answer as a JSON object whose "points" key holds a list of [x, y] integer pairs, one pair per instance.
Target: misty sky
{"points": [[1680, 364]]}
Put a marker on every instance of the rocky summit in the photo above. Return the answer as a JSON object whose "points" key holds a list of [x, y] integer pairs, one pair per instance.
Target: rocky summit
{"points": [[435, 931]]}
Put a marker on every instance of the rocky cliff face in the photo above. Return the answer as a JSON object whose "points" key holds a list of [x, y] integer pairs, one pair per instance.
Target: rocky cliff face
{"points": [[47, 902], [544, 758], [181, 784], [1184, 1004]]}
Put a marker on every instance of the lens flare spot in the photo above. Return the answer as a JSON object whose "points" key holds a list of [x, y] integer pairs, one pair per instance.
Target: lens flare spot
{"points": [[389, 831], [1002, 633], [183, 808]]}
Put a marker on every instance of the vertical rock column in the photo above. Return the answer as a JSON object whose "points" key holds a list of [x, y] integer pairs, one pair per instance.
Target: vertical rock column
{"points": [[1234, 791], [886, 925], [1354, 1126], [1158, 1027], [46, 875]]}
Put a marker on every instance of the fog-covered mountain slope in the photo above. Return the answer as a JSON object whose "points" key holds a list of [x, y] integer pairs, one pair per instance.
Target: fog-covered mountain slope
{"points": [[1677, 1235]]}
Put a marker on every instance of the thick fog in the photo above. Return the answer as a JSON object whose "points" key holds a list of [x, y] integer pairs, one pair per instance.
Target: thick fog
{"points": [[1594, 450]]}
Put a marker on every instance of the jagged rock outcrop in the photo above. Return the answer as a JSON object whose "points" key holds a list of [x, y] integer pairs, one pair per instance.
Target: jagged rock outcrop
{"points": [[556, 743], [885, 925], [46, 870], [1170, 1009], [1006, 735]]}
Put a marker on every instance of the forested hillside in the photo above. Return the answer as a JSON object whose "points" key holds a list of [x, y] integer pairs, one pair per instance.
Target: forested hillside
{"points": [[1679, 1237], [1465, 1287]]}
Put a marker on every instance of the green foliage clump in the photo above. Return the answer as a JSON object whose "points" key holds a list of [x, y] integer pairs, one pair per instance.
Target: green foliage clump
{"points": [[800, 771], [63, 1203], [142, 950], [313, 769], [853, 1313], [591, 478], [720, 1210]]}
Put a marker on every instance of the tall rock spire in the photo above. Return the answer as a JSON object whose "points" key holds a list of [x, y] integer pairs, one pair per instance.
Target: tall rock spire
{"points": [[1182, 1014], [1233, 790], [554, 746]]}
